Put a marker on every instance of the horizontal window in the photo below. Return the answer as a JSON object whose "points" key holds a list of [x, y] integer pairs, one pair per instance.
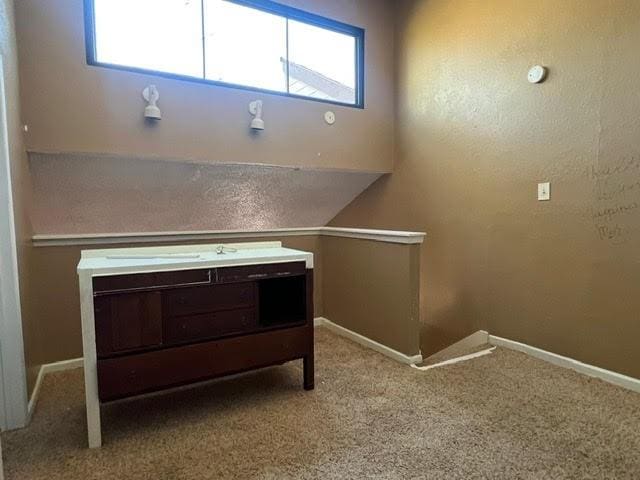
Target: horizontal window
{"points": [[252, 44]]}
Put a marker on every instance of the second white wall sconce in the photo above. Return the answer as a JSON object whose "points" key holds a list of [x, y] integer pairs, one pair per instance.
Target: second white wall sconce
{"points": [[151, 95], [255, 108]]}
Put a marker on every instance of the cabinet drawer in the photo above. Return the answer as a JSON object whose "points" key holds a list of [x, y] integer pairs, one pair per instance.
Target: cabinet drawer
{"points": [[151, 281], [193, 301], [259, 272], [208, 325], [128, 322], [145, 372]]}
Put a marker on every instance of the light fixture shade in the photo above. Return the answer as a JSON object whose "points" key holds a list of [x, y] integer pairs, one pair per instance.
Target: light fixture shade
{"points": [[255, 108], [151, 95], [257, 124], [152, 112]]}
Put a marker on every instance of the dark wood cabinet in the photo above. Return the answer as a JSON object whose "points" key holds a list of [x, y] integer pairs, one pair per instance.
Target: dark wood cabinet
{"points": [[128, 322], [123, 376], [161, 330]]}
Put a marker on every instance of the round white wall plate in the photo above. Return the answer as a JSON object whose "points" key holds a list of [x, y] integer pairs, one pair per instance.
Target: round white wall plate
{"points": [[537, 74], [330, 118]]}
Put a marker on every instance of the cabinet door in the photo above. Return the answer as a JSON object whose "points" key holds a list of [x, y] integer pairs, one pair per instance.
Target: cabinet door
{"points": [[128, 322]]}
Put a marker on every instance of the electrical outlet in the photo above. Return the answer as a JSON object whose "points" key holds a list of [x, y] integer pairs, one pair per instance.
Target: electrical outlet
{"points": [[544, 191]]}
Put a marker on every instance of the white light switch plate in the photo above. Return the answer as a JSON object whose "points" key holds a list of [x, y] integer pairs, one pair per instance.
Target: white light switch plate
{"points": [[544, 191]]}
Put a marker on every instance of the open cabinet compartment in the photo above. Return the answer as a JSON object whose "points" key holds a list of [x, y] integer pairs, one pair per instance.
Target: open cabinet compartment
{"points": [[282, 301]]}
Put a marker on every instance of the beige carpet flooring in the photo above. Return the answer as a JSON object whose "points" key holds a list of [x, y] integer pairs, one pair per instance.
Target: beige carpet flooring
{"points": [[504, 415]]}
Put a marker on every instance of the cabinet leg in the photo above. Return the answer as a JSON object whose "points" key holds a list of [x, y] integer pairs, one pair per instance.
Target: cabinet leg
{"points": [[94, 429], [308, 372]]}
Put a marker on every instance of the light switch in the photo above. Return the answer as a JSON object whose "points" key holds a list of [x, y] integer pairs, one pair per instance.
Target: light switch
{"points": [[544, 191]]}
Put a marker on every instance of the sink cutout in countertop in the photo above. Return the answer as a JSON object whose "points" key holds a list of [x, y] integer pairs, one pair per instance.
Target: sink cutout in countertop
{"points": [[152, 257]]}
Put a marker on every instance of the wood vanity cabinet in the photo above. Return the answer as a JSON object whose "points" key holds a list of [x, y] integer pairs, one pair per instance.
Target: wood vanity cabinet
{"points": [[161, 330]]}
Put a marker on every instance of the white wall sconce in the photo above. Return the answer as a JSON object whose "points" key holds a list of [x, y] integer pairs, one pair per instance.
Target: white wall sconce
{"points": [[255, 108], [151, 95]]}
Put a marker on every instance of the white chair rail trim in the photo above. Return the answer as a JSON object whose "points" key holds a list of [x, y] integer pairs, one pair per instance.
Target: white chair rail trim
{"points": [[388, 236]]}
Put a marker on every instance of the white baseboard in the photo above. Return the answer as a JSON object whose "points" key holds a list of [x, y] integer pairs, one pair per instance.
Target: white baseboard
{"points": [[453, 361], [319, 321], [49, 368], [367, 342], [34, 396], [618, 379], [461, 347]]}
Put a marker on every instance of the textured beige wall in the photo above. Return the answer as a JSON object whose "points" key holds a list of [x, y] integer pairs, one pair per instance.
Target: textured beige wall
{"points": [[98, 194], [20, 178], [372, 288], [474, 138], [72, 107], [56, 301]]}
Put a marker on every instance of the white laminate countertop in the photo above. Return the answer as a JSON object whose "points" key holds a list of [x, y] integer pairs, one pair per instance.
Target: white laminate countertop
{"points": [[186, 257]]}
